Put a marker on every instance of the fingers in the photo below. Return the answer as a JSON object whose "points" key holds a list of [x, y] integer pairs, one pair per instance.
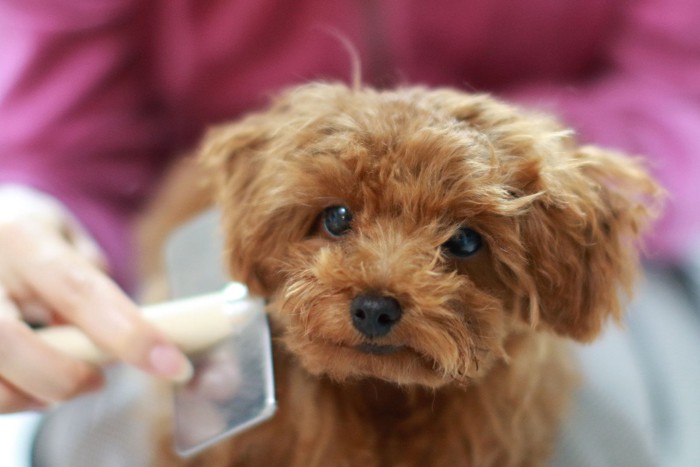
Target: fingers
{"points": [[7, 307], [50, 272], [74, 288], [32, 371], [14, 400], [90, 300], [85, 245]]}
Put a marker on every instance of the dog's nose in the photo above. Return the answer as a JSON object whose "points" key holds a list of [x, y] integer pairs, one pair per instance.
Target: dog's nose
{"points": [[375, 315]]}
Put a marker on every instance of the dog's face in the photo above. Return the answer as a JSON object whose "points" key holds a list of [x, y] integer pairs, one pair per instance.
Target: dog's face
{"points": [[407, 235]]}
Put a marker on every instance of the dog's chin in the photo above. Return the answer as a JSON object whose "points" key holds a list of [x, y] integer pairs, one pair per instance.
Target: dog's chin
{"points": [[396, 364]]}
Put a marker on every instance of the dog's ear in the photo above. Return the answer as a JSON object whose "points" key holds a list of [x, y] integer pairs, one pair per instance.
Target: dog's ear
{"points": [[234, 155], [585, 212], [230, 146], [581, 237], [257, 186]]}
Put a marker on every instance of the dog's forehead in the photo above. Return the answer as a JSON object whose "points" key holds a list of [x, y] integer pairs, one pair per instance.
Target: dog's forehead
{"points": [[395, 152]]}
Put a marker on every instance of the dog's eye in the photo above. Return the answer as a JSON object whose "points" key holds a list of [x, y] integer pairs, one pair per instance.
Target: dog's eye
{"points": [[336, 220], [465, 242]]}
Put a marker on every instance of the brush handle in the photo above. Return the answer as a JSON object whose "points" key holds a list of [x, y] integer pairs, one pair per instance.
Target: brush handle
{"points": [[192, 324]]}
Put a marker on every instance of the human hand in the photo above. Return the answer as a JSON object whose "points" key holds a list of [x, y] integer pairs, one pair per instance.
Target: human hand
{"points": [[51, 272]]}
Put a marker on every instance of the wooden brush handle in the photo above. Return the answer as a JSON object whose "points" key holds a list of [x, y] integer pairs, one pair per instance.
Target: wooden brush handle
{"points": [[192, 324]]}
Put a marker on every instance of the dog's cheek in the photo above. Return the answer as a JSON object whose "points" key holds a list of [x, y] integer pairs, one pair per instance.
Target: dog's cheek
{"points": [[266, 247], [312, 291], [463, 330], [488, 324], [481, 271], [268, 276], [490, 291]]}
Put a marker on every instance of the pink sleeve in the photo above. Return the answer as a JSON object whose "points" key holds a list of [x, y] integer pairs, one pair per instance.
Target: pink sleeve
{"points": [[76, 120], [647, 102]]}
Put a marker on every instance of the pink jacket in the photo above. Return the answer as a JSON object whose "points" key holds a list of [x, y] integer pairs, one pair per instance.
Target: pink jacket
{"points": [[97, 96]]}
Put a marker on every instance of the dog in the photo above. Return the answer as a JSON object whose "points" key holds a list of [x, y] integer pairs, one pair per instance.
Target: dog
{"points": [[427, 256]]}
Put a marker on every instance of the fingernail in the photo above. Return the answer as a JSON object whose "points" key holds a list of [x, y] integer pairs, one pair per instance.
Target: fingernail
{"points": [[169, 362]]}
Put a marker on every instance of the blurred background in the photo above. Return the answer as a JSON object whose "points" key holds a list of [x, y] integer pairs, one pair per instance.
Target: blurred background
{"points": [[97, 99]]}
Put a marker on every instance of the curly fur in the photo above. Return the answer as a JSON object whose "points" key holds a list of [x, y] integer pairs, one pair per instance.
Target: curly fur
{"points": [[482, 376]]}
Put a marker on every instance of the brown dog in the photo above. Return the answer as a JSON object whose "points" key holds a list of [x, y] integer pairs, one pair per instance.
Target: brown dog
{"points": [[426, 256]]}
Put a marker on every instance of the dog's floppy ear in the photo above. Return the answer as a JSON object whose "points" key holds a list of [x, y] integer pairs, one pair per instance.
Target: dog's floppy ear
{"points": [[234, 156], [228, 146], [254, 183], [580, 232], [581, 237]]}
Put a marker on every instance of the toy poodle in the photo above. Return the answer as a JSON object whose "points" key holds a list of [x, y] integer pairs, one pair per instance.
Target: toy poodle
{"points": [[427, 255]]}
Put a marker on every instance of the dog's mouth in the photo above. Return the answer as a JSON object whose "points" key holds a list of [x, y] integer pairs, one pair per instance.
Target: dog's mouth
{"points": [[377, 349], [398, 363]]}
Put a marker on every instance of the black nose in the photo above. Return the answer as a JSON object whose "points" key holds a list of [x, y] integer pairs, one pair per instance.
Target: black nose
{"points": [[374, 315]]}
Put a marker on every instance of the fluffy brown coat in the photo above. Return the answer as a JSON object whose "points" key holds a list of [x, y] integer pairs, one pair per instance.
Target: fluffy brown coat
{"points": [[477, 371]]}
